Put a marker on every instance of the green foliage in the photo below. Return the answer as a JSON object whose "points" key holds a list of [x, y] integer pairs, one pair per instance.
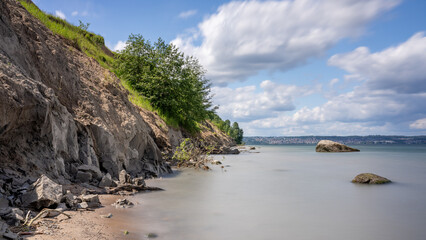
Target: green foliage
{"points": [[173, 83], [234, 131], [83, 26], [79, 37]]}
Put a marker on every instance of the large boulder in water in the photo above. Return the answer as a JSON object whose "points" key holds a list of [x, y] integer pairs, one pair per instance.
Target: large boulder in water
{"points": [[370, 178], [330, 146]]}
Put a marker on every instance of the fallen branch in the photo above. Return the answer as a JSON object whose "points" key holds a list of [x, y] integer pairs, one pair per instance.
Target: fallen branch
{"points": [[44, 213], [131, 187]]}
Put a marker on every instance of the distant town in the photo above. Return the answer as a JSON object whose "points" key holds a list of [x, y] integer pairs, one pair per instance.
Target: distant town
{"points": [[374, 139]]}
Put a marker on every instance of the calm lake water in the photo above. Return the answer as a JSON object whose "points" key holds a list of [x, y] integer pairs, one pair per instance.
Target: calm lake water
{"points": [[292, 192]]}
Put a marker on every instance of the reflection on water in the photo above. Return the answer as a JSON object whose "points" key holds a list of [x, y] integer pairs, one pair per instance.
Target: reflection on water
{"points": [[292, 192]]}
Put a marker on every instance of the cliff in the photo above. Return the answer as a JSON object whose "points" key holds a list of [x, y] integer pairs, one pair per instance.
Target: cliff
{"points": [[61, 112]]}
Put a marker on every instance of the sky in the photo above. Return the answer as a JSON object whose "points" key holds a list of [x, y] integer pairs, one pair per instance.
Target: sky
{"points": [[288, 68]]}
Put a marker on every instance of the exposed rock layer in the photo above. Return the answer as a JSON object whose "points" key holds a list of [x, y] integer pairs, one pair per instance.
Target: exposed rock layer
{"points": [[63, 115], [330, 146]]}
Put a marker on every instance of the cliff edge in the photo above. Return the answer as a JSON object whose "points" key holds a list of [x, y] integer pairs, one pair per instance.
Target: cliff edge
{"points": [[61, 112]]}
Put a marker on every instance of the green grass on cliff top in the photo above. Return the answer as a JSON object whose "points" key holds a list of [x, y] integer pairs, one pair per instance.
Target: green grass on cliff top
{"points": [[91, 44]]}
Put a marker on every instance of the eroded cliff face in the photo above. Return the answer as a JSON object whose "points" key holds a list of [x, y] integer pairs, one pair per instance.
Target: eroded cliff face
{"points": [[59, 109]]}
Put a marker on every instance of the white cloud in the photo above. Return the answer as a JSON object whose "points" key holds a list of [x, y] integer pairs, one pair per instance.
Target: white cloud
{"points": [[242, 38], [419, 124], [333, 82], [75, 13], [119, 46], [401, 68], [60, 14], [187, 14], [391, 99], [249, 102]]}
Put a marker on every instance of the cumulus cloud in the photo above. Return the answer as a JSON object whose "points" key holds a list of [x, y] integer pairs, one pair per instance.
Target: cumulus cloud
{"points": [[242, 38], [187, 14], [119, 46], [60, 14], [75, 13], [401, 68], [250, 102], [419, 124], [383, 103]]}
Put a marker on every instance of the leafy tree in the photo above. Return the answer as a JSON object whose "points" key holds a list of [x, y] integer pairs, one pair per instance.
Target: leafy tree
{"points": [[173, 83]]}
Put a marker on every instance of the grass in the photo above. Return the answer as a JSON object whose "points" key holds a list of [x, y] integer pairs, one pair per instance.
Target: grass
{"points": [[91, 44]]}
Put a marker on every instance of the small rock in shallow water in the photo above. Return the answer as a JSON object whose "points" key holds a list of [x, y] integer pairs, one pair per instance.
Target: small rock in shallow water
{"points": [[151, 235], [370, 178]]}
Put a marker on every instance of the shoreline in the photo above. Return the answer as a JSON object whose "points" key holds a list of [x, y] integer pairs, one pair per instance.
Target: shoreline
{"points": [[90, 224]]}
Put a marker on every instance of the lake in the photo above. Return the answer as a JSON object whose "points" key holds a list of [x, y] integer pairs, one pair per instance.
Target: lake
{"points": [[292, 192]]}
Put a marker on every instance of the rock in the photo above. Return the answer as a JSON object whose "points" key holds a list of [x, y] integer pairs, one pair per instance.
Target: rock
{"points": [[252, 148], [109, 215], [93, 170], [83, 177], [42, 194], [216, 162], [83, 205], [330, 146], [92, 200], [151, 235], [4, 203], [10, 235], [5, 211], [139, 181], [228, 150], [124, 177], [370, 178], [123, 203], [70, 200], [107, 181]]}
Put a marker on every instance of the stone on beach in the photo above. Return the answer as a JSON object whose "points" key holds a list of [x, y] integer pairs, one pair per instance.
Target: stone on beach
{"points": [[331, 146], [43, 193]]}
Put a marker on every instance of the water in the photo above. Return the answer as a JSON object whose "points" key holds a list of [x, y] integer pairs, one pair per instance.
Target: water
{"points": [[292, 192]]}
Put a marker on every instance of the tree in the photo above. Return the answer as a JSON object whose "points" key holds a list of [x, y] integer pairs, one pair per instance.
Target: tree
{"points": [[174, 84]]}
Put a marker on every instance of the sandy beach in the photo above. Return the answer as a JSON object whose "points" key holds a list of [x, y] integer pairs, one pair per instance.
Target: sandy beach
{"points": [[90, 224]]}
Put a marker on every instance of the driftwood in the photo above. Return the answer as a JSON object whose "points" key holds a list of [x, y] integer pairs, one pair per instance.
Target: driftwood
{"points": [[131, 187], [43, 214]]}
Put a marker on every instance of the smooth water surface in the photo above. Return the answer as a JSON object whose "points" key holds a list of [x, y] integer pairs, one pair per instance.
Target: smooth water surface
{"points": [[292, 192]]}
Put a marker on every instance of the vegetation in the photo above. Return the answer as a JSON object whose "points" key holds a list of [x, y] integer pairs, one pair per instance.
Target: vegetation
{"points": [[174, 84], [158, 76], [88, 42], [234, 131], [188, 154]]}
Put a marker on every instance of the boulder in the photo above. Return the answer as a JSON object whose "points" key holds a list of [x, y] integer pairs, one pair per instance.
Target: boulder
{"points": [[83, 177], [370, 178], [92, 200], [4, 203], [107, 181], [93, 170], [124, 177], [42, 194], [330, 146], [228, 150]]}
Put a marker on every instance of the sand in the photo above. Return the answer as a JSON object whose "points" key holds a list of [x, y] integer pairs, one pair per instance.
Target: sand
{"points": [[89, 225]]}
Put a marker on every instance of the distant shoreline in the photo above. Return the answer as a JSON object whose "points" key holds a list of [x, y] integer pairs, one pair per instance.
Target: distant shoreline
{"points": [[360, 140]]}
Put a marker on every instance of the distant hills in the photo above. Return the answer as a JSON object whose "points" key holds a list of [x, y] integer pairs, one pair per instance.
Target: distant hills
{"points": [[374, 139]]}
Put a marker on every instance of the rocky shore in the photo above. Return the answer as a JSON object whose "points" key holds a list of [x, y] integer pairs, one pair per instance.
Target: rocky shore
{"points": [[68, 128]]}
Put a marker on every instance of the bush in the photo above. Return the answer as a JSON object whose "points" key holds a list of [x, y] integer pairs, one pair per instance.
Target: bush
{"points": [[173, 83]]}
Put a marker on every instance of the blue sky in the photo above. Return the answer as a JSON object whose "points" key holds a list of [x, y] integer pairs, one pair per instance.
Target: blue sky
{"points": [[287, 68]]}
